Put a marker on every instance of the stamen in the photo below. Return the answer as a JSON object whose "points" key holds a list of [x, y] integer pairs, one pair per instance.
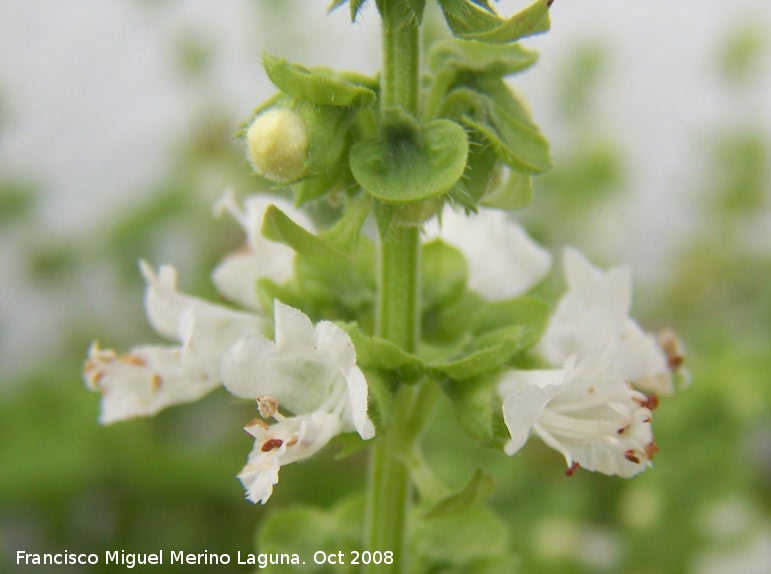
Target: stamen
{"points": [[257, 423], [268, 406], [271, 444], [631, 456], [572, 470], [650, 402], [675, 362], [574, 427], [651, 449], [672, 348], [595, 400], [155, 382], [134, 360], [94, 379]]}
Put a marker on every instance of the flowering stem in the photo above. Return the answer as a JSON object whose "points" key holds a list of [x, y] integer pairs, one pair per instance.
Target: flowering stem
{"points": [[398, 310]]}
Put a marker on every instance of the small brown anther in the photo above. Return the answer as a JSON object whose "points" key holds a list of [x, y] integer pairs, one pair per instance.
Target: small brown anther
{"points": [[631, 456], [271, 444], [268, 406]]}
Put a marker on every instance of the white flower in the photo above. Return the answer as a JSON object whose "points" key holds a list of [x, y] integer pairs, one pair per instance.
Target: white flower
{"points": [[585, 411], [236, 277], [503, 261], [308, 371], [289, 440], [147, 379], [593, 313]]}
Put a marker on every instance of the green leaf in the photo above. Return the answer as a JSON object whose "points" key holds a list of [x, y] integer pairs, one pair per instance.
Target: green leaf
{"points": [[481, 169], [381, 386], [411, 163], [327, 127], [335, 4], [444, 274], [384, 217], [458, 538], [319, 86], [341, 287], [471, 21], [304, 530], [501, 121], [474, 402], [355, 6], [480, 58], [477, 490], [451, 323], [344, 234], [382, 354], [515, 193], [277, 226], [464, 17], [529, 315], [499, 331], [336, 178], [300, 529], [487, 354], [518, 144]]}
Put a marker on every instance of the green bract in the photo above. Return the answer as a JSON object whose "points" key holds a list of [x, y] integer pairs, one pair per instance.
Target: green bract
{"points": [[475, 19], [326, 105], [468, 87], [411, 163], [277, 226], [320, 86], [503, 123], [480, 58]]}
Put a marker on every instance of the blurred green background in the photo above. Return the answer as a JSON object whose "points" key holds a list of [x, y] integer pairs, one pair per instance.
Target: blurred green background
{"points": [[169, 482]]}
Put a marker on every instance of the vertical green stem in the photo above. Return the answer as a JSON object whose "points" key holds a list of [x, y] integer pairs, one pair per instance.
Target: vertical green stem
{"points": [[398, 307], [399, 284], [401, 58]]}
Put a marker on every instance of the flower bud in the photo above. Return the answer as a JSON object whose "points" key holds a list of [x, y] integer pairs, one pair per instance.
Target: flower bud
{"points": [[278, 145]]}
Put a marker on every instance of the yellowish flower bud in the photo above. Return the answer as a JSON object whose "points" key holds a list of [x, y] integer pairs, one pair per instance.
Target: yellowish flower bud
{"points": [[278, 145]]}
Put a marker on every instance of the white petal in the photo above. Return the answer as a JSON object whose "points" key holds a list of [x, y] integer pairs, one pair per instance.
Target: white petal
{"points": [[168, 310], [503, 261], [253, 367], [357, 396], [241, 366], [163, 304], [206, 331], [259, 475], [592, 417], [525, 395], [612, 289], [294, 330], [236, 277], [643, 362], [591, 314], [143, 382], [288, 441], [336, 344]]}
